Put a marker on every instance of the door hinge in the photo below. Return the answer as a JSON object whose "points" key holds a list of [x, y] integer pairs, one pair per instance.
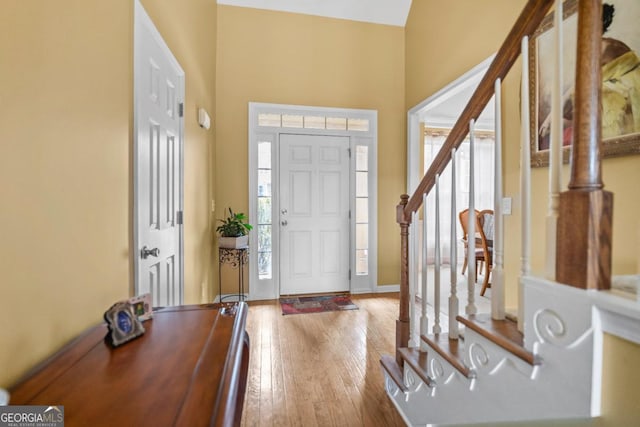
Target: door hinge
{"points": [[349, 213], [349, 274], [179, 218], [181, 109], [349, 150]]}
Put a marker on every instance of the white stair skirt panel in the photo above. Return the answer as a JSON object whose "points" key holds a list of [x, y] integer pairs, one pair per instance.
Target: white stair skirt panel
{"points": [[562, 329]]}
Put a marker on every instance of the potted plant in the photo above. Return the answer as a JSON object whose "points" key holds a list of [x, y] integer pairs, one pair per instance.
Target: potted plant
{"points": [[233, 231]]}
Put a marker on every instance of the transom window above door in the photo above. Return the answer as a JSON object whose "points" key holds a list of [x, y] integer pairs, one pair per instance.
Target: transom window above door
{"points": [[299, 121]]}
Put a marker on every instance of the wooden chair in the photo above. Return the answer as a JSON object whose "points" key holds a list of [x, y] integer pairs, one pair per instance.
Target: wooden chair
{"points": [[483, 242], [464, 221], [485, 223]]}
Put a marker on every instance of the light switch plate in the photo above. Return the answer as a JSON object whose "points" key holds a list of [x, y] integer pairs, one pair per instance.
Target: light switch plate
{"points": [[506, 206]]}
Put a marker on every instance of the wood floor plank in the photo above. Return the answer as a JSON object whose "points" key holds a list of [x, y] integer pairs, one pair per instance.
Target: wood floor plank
{"points": [[320, 369], [251, 414]]}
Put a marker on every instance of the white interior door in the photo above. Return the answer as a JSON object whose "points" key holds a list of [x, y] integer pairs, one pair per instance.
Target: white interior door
{"points": [[314, 214], [159, 94]]}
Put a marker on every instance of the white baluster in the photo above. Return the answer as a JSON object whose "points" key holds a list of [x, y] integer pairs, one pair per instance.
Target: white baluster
{"points": [[436, 271], [415, 272], [453, 297], [424, 320], [471, 228], [555, 149], [413, 278], [497, 273], [525, 178]]}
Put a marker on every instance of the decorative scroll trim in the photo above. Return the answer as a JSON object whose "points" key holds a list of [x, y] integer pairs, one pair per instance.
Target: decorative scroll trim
{"points": [[409, 378], [478, 356], [549, 327], [391, 386], [437, 370]]}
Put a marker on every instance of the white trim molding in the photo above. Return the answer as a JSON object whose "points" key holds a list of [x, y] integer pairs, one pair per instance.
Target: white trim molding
{"points": [[416, 113]]}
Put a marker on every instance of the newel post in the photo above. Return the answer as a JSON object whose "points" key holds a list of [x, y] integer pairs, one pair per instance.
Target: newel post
{"points": [[583, 255], [403, 324]]}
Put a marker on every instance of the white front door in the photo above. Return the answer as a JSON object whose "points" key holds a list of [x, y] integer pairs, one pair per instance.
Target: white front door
{"points": [[314, 214], [159, 94]]}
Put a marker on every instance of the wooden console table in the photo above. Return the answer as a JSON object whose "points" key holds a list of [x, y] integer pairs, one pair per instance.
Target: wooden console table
{"points": [[188, 369]]}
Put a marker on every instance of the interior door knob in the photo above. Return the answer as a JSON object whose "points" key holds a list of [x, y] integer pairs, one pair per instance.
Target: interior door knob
{"points": [[145, 252], [284, 222]]}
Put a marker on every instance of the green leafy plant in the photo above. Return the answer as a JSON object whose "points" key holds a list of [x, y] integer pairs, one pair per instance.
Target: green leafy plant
{"points": [[234, 225]]}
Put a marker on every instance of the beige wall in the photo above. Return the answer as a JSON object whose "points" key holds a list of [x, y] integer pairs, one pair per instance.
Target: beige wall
{"points": [[65, 163], [285, 58], [620, 382], [446, 39]]}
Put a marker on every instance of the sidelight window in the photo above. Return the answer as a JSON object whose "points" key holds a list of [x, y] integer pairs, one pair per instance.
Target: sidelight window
{"points": [[265, 247]]}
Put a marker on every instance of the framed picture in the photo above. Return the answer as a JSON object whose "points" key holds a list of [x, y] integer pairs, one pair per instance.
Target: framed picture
{"points": [[620, 76], [142, 306], [123, 324]]}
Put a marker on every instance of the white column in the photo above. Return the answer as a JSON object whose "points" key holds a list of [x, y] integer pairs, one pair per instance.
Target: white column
{"points": [[424, 320], [453, 297], [555, 149], [436, 270], [497, 273], [525, 178], [471, 228]]}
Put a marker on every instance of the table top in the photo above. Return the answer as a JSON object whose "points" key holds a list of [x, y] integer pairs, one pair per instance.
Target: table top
{"points": [[144, 382]]}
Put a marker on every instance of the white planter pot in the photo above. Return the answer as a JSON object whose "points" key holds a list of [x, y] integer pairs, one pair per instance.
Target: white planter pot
{"points": [[233, 242]]}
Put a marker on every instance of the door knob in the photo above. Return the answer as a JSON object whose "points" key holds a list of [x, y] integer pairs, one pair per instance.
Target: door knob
{"points": [[284, 211], [145, 252], [284, 222]]}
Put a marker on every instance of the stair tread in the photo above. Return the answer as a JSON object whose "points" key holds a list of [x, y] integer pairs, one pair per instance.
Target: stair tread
{"points": [[390, 365], [504, 333], [418, 361], [450, 349]]}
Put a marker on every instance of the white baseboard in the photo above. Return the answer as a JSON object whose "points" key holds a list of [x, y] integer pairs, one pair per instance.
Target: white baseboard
{"points": [[381, 289]]}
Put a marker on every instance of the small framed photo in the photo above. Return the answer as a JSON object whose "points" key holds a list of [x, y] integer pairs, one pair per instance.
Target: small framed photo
{"points": [[142, 306], [123, 324]]}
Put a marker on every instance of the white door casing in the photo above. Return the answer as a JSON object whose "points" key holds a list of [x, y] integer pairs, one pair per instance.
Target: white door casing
{"points": [[314, 214], [158, 140], [265, 284]]}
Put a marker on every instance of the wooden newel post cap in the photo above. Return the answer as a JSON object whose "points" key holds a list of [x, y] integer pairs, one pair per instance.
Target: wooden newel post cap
{"points": [[400, 215]]}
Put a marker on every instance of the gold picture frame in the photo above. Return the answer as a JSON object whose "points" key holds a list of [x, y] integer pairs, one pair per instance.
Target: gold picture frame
{"points": [[622, 28]]}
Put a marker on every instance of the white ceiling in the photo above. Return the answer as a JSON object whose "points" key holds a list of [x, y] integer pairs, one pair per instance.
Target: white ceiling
{"points": [[390, 12]]}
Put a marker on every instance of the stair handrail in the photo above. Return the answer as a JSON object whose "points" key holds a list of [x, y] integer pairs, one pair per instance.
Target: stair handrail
{"points": [[530, 18], [528, 21], [583, 257]]}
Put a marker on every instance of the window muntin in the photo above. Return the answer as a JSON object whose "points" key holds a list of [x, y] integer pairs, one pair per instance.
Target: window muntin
{"points": [[298, 121]]}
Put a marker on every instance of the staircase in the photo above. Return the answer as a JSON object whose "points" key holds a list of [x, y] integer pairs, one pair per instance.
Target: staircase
{"points": [[490, 374], [546, 364]]}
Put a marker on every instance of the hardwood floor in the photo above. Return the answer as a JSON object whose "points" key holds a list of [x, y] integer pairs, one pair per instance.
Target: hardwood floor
{"points": [[320, 369]]}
